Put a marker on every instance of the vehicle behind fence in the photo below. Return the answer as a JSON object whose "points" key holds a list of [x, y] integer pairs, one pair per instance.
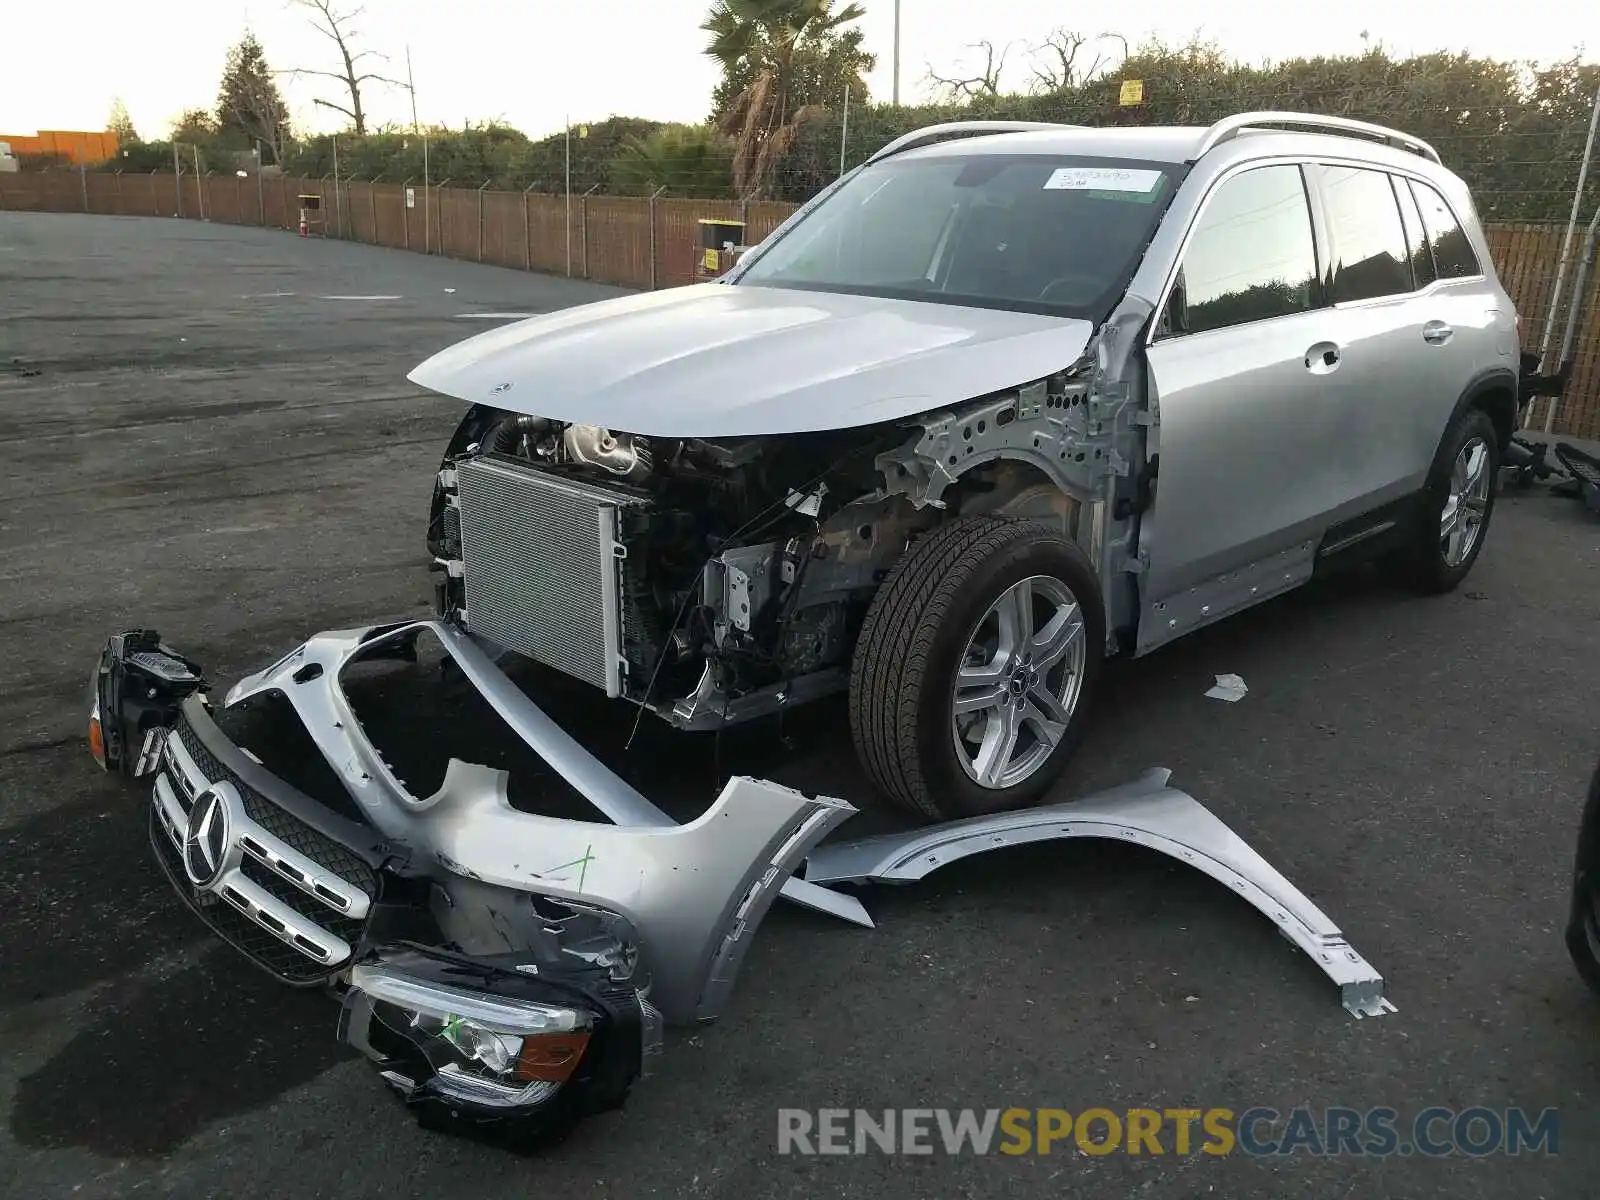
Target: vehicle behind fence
{"points": [[631, 240]]}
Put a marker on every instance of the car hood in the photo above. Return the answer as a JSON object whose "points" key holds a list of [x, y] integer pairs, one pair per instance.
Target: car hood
{"points": [[715, 359]]}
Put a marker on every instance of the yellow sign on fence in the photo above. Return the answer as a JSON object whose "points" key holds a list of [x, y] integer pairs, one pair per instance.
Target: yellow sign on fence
{"points": [[1132, 92]]}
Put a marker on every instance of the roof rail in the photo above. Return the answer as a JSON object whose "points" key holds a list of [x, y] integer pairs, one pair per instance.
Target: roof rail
{"points": [[954, 129], [1231, 127]]}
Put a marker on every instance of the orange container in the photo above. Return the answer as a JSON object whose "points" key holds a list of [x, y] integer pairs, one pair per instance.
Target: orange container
{"points": [[88, 149]]}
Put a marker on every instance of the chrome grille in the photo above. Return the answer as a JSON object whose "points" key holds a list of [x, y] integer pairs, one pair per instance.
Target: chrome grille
{"points": [[541, 560], [290, 898]]}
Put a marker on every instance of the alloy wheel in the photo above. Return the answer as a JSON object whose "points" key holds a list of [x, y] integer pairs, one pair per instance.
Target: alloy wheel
{"points": [[1466, 505], [1018, 682]]}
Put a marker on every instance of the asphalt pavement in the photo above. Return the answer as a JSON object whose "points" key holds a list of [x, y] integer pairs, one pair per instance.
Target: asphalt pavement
{"points": [[208, 430]]}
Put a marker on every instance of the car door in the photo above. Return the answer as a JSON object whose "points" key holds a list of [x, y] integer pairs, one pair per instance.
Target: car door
{"points": [[1243, 368], [1467, 321], [1403, 365]]}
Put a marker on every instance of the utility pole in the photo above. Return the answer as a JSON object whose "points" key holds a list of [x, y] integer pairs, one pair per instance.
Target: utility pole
{"points": [[338, 206], [844, 128], [895, 94], [411, 86], [416, 127], [199, 182], [568, 120]]}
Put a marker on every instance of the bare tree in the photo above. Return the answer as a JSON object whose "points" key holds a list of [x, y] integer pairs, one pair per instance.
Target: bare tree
{"points": [[335, 26], [1055, 61], [982, 85]]}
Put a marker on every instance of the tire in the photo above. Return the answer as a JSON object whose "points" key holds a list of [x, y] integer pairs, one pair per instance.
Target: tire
{"points": [[1430, 565], [936, 607], [1583, 921]]}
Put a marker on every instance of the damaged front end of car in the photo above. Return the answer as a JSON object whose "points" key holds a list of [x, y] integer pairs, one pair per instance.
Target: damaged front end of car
{"points": [[710, 581], [506, 972], [715, 581]]}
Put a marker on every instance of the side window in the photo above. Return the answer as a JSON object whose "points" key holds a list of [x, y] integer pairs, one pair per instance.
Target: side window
{"points": [[1369, 243], [1252, 256], [1452, 251], [1422, 268]]}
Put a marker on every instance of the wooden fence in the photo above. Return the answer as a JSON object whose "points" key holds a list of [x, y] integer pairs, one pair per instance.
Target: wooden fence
{"points": [[631, 241]]}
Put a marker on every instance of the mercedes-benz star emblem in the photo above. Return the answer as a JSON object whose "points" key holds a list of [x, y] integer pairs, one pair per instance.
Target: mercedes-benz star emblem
{"points": [[206, 841]]}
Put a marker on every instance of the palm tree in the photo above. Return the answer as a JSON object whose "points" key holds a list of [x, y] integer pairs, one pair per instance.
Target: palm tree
{"points": [[687, 160], [767, 35]]}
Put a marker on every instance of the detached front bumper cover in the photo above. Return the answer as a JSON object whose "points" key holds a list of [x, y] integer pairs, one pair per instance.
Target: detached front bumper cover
{"points": [[693, 894]]}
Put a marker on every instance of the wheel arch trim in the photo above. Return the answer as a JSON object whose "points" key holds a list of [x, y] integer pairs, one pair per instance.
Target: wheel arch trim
{"points": [[1480, 393]]}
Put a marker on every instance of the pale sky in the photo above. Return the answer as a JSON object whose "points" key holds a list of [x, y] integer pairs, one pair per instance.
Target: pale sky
{"points": [[533, 64]]}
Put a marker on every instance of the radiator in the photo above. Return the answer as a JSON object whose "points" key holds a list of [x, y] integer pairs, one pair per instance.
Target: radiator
{"points": [[542, 563]]}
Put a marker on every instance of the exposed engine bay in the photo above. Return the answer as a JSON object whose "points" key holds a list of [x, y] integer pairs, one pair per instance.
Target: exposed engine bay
{"points": [[742, 566], [729, 577]]}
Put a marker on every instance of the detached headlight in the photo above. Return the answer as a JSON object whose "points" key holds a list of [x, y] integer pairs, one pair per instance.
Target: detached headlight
{"points": [[487, 1045], [497, 1044], [135, 694]]}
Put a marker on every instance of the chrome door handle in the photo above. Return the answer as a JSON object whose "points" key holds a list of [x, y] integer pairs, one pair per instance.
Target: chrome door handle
{"points": [[1437, 333]]}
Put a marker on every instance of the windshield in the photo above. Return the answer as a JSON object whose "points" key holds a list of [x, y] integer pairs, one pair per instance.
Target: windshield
{"points": [[1042, 234]]}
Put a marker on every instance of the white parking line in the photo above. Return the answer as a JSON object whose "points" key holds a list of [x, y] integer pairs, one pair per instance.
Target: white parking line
{"points": [[491, 316], [360, 297]]}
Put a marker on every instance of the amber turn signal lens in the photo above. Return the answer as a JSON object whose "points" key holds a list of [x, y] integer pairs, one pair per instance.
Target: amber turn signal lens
{"points": [[97, 741], [551, 1057]]}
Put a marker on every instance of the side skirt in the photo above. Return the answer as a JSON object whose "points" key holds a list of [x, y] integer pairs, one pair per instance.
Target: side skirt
{"points": [[1371, 535]]}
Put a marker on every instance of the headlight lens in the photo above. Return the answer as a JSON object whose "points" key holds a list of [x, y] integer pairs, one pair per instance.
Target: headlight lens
{"points": [[495, 1051]]}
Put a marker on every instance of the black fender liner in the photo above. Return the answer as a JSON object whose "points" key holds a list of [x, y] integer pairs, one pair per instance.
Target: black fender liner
{"points": [[1485, 390]]}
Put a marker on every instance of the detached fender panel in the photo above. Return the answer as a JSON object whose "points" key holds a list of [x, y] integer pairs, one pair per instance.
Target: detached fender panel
{"points": [[1145, 813]]}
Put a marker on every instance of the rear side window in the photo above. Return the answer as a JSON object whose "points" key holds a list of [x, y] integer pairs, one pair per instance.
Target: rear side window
{"points": [[1452, 250], [1370, 258], [1252, 256], [1422, 268]]}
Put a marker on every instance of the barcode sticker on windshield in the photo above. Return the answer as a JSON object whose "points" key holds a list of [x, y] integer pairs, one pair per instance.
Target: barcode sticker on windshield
{"points": [[1102, 179]]}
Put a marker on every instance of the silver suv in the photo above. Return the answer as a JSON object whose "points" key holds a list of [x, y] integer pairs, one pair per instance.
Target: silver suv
{"points": [[1003, 401]]}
